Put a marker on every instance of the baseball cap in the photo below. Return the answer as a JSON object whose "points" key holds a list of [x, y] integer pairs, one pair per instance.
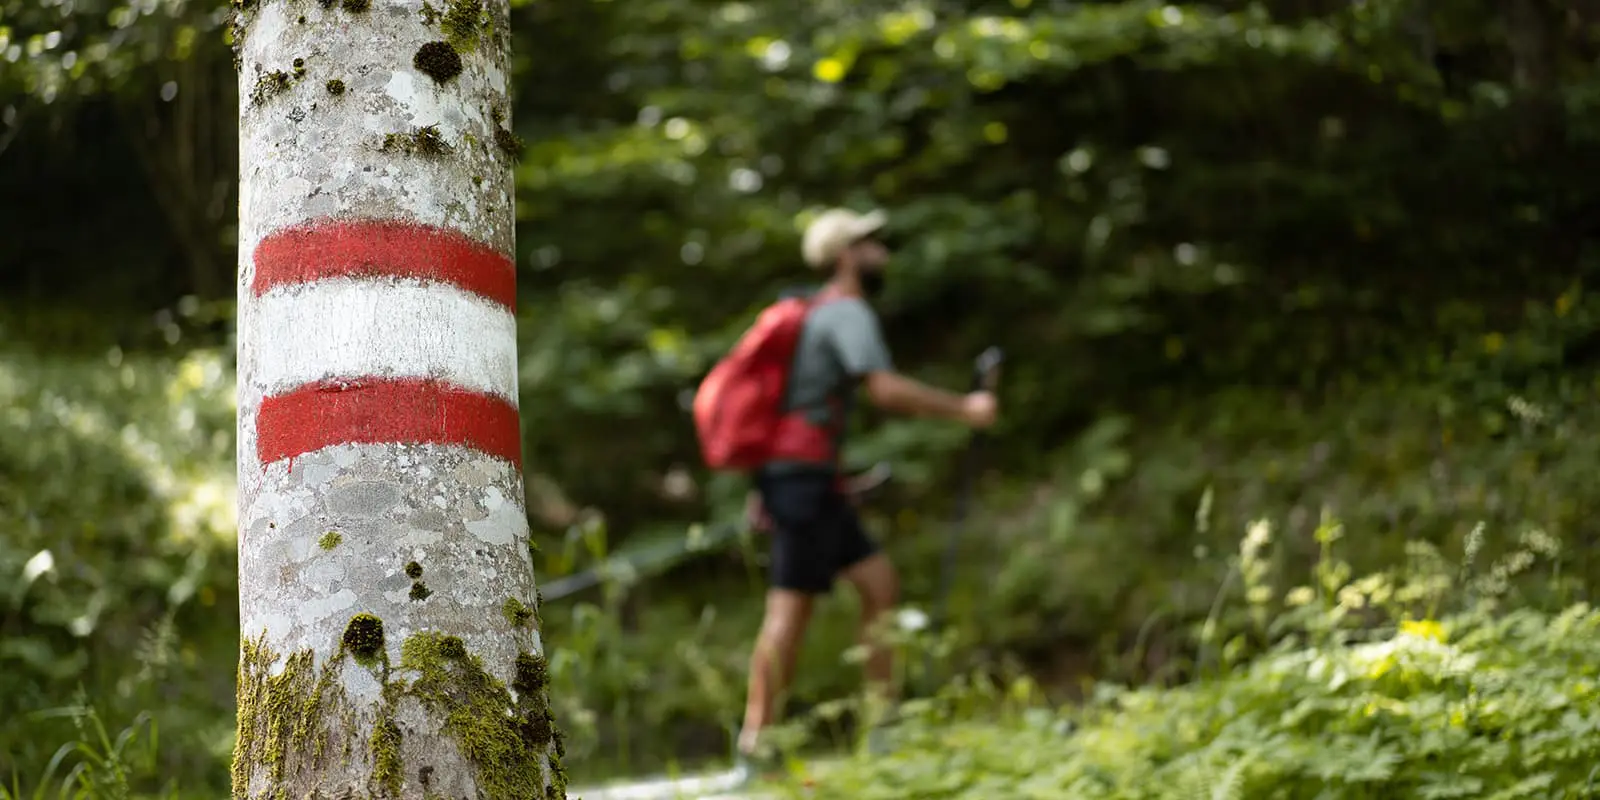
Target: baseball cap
{"points": [[835, 229]]}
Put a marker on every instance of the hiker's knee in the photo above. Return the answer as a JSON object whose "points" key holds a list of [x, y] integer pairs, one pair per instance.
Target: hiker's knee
{"points": [[877, 583], [786, 618]]}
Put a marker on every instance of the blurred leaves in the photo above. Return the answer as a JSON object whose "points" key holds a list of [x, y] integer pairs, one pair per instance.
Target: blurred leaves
{"points": [[116, 502], [1250, 257], [59, 50]]}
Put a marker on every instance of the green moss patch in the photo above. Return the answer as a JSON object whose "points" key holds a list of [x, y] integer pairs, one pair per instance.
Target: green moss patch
{"points": [[424, 141], [506, 749], [531, 673], [516, 612], [508, 142], [285, 719], [363, 638], [270, 85], [438, 60], [387, 771], [282, 718], [464, 22], [330, 540], [452, 647]]}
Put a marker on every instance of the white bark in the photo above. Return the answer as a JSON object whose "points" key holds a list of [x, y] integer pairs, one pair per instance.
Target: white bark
{"points": [[329, 534]]}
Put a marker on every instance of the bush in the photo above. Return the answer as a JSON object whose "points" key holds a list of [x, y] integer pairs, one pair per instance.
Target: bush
{"points": [[1362, 694], [1122, 549]]}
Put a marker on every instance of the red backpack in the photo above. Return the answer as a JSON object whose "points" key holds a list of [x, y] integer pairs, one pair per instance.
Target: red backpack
{"points": [[738, 409]]}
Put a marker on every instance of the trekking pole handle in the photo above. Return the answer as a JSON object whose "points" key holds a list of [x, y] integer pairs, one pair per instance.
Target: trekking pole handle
{"points": [[986, 369]]}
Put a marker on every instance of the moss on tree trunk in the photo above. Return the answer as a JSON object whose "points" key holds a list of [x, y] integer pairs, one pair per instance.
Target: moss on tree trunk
{"points": [[296, 720]]}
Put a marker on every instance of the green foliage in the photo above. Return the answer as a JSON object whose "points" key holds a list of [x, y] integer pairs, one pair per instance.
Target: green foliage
{"points": [[1474, 703], [99, 765], [118, 567], [62, 50], [1409, 465]]}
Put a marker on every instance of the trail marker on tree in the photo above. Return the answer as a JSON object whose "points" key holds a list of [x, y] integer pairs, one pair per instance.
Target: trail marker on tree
{"points": [[387, 603]]}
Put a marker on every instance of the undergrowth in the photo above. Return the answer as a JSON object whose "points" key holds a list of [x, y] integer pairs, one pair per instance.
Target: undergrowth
{"points": [[1429, 680]]}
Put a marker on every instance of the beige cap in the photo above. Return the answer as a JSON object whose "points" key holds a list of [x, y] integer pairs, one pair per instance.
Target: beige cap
{"points": [[835, 229]]}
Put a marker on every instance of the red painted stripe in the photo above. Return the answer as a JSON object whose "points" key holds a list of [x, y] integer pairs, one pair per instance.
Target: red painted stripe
{"points": [[374, 248], [372, 411]]}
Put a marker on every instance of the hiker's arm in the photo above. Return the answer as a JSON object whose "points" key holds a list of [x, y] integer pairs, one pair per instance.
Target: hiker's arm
{"points": [[892, 391], [858, 339]]}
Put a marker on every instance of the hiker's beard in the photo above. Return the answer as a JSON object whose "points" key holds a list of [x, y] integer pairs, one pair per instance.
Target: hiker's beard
{"points": [[871, 281]]}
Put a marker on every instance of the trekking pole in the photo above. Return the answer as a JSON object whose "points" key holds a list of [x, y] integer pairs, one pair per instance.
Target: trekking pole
{"points": [[985, 376]]}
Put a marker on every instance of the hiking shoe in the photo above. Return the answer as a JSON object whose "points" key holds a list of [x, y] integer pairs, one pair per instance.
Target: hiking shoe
{"points": [[762, 764], [750, 768], [880, 740], [880, 734]]}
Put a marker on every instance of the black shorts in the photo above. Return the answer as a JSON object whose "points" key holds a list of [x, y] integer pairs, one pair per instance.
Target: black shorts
{"points": [[816, 533]]}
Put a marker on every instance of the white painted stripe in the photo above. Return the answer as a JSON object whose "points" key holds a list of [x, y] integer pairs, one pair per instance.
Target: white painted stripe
{"points": [[346, 328]]}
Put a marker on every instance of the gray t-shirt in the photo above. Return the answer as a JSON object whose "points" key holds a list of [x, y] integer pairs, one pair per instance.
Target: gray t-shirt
{"points": [[841, 343]]}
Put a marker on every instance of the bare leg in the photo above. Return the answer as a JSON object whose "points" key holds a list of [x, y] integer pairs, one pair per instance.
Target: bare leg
{"points": [[772, 660], [878, 586]]}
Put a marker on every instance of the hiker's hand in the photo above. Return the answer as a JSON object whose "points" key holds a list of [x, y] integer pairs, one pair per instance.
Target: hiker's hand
{"points": [[857, 487], [755, 514], [980, 409]]}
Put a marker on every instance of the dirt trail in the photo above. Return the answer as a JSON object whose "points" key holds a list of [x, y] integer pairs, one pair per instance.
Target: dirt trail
{"points": [[712, 786]]}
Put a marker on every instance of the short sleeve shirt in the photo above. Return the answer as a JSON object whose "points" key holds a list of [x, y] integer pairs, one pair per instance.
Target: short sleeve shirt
{"points": [[840, 344]]}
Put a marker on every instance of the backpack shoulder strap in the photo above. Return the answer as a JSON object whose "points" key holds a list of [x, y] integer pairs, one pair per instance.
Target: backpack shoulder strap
{"points": [[823, 296]]}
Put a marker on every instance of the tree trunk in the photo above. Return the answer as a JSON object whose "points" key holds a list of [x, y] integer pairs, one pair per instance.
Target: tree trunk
{"points": [[391, 645]]}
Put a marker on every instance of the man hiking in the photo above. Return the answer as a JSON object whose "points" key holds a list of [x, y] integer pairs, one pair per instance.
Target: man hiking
{"points": [[816, 535]]}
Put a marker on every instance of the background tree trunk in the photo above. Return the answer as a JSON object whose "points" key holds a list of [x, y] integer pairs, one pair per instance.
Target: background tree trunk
{"points": [[387, 602]]}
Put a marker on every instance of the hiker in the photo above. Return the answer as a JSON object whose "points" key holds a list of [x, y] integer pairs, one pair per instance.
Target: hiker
{"points": [[816, 535]]}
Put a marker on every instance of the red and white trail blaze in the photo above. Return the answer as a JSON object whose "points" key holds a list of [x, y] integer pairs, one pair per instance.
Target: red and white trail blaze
{"points": [[379, 458], [383, 332]]}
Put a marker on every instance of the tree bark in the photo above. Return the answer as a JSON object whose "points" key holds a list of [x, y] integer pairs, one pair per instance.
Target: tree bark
{"points": [[391, 643]]}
